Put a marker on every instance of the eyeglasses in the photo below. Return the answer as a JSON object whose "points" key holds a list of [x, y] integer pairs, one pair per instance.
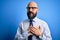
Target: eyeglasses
{"points": [[32, 7]]}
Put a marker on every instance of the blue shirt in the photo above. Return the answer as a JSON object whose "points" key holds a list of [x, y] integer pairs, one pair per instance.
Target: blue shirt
{"points": [[22, 31]]}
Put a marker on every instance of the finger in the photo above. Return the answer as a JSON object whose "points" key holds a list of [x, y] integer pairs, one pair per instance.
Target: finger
{"points": [[29, 29], [33, 29]]}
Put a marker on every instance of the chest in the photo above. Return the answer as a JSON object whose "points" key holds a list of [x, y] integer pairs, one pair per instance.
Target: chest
{"points": [[25, 25]]}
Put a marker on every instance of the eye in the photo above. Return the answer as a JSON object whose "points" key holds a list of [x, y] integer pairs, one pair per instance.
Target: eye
{"points": [[32, 7]]}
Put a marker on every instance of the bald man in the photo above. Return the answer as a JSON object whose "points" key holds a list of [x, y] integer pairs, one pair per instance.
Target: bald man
{"points": [[33, 28]]}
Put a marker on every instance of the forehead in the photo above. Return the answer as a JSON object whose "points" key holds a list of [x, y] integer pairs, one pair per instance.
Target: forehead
{"points": [[32, 4]]}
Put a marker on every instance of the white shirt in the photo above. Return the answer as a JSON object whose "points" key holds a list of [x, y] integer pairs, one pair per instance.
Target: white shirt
{"points": [[22, 31]]}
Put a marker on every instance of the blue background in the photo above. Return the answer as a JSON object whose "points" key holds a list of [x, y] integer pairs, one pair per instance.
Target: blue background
{"points": [[12, 12]]}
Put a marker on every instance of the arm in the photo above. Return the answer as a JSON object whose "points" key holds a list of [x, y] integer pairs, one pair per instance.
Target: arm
{"points": [[19, 35], [46, 32]]}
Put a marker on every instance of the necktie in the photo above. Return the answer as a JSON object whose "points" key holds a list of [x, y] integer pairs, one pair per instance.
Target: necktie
{"points": [[31, 23], [30, 37]]}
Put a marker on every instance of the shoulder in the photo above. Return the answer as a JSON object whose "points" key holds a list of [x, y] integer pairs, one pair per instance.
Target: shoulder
{"points": [[44, 24], [42, 21], [24, 21]]}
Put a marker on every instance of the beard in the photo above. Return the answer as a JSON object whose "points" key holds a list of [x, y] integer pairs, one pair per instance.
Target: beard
{"points": [[31, 15]]}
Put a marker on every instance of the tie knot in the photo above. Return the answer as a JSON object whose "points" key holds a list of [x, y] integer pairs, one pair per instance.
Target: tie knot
{"points": [[31, 22]]}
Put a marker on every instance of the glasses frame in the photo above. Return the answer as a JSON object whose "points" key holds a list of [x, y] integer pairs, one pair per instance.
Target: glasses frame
{"points": [[32, 7]]}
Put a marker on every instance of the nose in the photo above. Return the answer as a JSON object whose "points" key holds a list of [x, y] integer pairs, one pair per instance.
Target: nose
{"points": [[30, 9]]}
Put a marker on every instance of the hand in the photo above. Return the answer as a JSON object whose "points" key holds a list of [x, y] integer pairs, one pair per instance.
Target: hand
{"points": [[29, 30], [35, 31]]}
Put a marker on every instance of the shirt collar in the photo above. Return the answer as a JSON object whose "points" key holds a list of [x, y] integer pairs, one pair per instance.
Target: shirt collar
{"points": [[34, 19]]}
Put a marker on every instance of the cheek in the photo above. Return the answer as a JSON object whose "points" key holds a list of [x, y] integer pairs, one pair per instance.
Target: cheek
{"points": [[34, 11]]}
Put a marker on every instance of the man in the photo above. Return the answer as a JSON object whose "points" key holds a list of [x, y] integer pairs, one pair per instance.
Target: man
{"points": [[33, 28]]}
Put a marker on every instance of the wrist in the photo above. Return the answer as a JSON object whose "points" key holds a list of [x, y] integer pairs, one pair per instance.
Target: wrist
{"points": [[41, 36]]}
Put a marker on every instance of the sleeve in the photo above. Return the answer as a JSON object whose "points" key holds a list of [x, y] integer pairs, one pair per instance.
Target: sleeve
{"points": [[19, 35], [46, 32]]}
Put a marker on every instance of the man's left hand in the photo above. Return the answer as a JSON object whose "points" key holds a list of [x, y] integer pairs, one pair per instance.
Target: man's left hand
{"points": [[36, 31]]}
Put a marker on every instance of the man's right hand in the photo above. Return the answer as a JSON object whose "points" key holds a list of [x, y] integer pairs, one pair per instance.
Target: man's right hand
{"points": [[29, 30]]}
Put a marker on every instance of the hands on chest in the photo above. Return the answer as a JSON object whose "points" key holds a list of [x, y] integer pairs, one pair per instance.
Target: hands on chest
{"points": [[35, 31]]}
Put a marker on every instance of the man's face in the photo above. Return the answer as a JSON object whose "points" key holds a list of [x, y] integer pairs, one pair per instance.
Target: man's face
{"points": [[32, 10]]}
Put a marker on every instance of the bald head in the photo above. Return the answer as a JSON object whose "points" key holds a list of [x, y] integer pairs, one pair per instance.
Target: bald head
{"points": [[32, 4]]}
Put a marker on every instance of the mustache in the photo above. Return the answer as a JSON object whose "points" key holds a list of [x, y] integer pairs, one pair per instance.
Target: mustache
{"points": [[30, 12]]}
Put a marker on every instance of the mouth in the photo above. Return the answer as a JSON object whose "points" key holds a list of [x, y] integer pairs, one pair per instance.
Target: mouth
{"points": [[31, 14]]}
